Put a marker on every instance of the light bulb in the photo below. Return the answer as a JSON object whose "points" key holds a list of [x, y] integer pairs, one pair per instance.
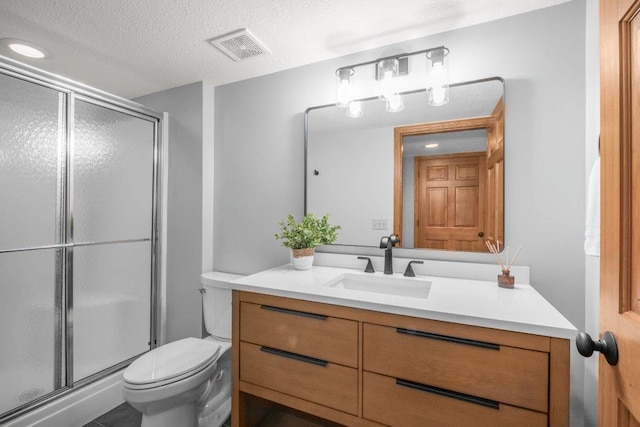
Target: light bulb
{"points": [[386, 85], [354, 109], [344, 89], [387, 81], [439, 95], [394, 104], [438, 76]]}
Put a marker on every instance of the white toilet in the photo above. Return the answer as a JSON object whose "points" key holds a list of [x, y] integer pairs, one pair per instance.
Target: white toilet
{"points": [[188, 382]]}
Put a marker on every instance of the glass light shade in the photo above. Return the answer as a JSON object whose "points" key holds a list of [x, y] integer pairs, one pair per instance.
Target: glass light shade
{"points": [[344, 87], [387, 73], [438, 76], [394, 104], [354, 109]]}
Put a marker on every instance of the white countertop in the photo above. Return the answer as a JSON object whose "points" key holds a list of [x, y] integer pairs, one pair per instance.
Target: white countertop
{"points": [[470, 302]]}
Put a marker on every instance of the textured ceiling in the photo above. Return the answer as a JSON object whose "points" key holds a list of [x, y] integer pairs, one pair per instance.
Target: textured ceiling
{"points": [[135, 47]]}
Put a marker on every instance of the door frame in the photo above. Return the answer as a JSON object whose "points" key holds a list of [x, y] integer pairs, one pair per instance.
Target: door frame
{"points": [[78, 92]]}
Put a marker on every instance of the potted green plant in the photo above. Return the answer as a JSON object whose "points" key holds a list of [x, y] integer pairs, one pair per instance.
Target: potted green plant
{"points": [[302, 237]]}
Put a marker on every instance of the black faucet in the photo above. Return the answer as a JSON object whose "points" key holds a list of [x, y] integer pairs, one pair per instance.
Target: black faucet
{"points": [[387, 244], [369, 268], [409, 271]]}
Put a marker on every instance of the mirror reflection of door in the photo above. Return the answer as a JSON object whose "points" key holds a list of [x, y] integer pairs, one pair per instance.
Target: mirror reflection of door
{"points": [[455, 172], [494, 223], [449, 208]]}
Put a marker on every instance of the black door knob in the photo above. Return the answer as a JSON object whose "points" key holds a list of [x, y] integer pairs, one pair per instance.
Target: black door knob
{"points": [[607, 346], [481, 234]]}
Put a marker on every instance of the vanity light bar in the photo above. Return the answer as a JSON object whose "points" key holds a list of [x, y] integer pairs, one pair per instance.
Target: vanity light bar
{"points": [[387, 70]]}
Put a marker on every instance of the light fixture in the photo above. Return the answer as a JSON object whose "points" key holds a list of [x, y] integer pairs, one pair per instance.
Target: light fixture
{"points": [[387, 72], [387, 78], [344, 90], [434, 145], [354, 109], [25, 48], [394, 104], [438, 76]]}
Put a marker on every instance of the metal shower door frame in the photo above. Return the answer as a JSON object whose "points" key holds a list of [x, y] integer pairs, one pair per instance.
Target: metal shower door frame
{"points": [[63, 348]]}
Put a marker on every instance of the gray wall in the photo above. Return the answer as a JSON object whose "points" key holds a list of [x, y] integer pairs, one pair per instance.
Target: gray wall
{"points": [[184, 207], [541, 55], [355, 183]]}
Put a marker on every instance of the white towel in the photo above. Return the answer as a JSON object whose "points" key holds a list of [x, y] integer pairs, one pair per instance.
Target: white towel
{"points": [[592, 230]]}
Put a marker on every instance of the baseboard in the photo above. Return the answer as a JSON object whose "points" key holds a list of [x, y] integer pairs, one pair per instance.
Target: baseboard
{"points": [[77, 408]]}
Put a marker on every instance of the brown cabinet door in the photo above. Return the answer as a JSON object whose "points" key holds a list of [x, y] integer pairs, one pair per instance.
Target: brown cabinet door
{"points": [[397, 402]]}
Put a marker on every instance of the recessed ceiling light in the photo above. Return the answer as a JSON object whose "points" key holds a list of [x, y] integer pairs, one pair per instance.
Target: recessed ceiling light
{"points": [[431, 146], [25, 48]]}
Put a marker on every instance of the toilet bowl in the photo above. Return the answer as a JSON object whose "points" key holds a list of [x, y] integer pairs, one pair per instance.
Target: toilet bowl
{"points": [[188, 382], [214, 405]]}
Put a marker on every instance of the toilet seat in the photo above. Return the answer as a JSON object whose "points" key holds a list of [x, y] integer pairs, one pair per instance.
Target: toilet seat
{"points": [[170, 363]]}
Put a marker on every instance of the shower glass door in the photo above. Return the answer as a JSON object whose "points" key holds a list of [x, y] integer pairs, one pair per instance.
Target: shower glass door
{"points": [[112, 170], [32, 156], [78, 184]]}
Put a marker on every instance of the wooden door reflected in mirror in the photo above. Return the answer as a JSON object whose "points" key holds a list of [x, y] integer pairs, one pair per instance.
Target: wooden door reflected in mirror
{"points": [[455, 172]]}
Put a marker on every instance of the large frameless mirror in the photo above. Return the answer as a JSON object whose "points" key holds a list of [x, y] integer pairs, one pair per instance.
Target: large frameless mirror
{"points": [[434, 175]]}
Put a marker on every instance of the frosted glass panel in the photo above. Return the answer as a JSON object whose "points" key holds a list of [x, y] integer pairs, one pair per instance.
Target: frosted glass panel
{"points": [[32, 133], [28, 326], [111, 305], [113, 175]]}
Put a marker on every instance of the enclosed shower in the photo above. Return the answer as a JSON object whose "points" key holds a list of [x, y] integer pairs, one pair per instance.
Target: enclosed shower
{"points": [[78, 235]]}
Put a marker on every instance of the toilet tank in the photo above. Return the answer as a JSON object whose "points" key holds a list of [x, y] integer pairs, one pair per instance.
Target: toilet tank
{"points": [[216, 303]]}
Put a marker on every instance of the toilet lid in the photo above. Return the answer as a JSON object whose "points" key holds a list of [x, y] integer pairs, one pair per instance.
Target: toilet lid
{"points": [[171, 360]]}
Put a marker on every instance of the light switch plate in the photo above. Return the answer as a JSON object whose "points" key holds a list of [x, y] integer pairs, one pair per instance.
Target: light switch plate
{"points": [[379, 224]]}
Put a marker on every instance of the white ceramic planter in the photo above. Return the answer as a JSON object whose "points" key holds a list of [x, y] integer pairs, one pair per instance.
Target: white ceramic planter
{"points": [[302, 259]]}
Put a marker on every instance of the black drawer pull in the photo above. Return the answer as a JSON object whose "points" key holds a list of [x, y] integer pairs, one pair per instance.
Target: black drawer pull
{"points": [[294, 312], [455, 340], [448, 393], [294, 356]]}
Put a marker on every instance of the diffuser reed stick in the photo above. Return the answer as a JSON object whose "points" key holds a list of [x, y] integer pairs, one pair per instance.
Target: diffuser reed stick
{"points": [[494, 251], [514, 258]]}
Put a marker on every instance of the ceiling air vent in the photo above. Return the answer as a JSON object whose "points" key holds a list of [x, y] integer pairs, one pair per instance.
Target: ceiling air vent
{"points": [[239, 45]]}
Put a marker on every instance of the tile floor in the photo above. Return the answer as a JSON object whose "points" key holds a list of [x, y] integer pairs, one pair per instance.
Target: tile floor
{"points": [[120, 416], [123, 416]]}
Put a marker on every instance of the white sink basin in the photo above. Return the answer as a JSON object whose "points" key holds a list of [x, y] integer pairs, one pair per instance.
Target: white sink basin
{"points": [[398, 286]]}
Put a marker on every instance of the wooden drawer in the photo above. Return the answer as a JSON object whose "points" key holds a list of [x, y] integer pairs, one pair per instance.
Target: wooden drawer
{"points": [[329, 385], [388, 402], [309, 334], [505, 374]]}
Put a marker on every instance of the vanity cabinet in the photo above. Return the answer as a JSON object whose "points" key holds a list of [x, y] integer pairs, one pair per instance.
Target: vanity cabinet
{"points": [[363, 368], [282, 348], [408, 370]]}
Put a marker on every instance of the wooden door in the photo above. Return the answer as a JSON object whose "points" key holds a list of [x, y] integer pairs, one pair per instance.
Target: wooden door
{"points": [[449, 202], [494, 229], [619, 386]]}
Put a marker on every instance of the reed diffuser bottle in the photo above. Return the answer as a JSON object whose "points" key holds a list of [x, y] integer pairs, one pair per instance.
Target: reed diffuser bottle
{"points": [[505, 280]]}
